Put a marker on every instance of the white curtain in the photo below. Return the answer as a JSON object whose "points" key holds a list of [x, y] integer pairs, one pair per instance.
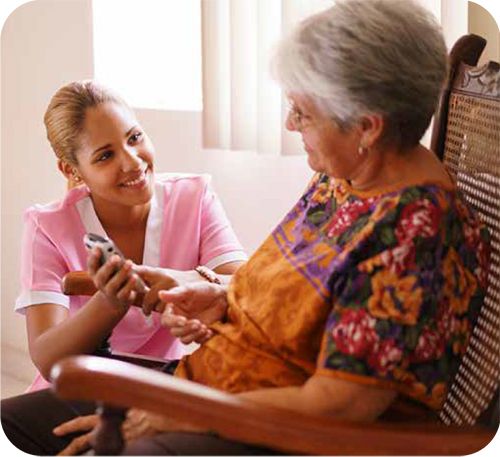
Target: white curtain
{"points": [[243, 109]]}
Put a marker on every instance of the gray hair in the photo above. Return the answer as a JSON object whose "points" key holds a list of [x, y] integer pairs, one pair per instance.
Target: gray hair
{"points": [[65, 115], [368, 56]]}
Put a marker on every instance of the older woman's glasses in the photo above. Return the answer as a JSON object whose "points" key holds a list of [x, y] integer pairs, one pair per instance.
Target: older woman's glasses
{"points": [[299, 119]]}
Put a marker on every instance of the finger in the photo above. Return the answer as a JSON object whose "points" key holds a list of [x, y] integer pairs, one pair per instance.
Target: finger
{"points": [[94, 261], [180, 332], [186, 335], [118, 278], [160, 306], [108, 271], [78, 424], [175, 295], [146, 273], [169, 319], [134, 417], [128, 292], [151, 301], [206, 337], [189, 328], [77, 446], [195, 335]]}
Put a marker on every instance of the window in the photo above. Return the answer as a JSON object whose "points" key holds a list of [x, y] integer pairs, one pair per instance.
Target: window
{"points": [[150, 51]]}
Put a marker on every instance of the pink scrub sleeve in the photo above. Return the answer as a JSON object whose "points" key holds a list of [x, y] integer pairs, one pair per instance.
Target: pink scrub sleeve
{"points": [[218, 242], [42, 267]]}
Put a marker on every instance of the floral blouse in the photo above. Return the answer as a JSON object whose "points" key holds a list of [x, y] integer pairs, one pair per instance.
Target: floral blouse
{"points": [[381, 289], [407, 287]]}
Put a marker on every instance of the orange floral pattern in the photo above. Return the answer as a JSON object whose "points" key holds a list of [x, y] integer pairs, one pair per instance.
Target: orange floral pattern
{"points": [[395, 298]]}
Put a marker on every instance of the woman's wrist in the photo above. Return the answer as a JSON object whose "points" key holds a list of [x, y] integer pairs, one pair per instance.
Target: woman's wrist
{"points": [[207, 274], [113, 308]]}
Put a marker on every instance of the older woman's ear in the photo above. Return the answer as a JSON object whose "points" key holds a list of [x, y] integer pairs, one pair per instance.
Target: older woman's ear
{"points": [[371, 129]]}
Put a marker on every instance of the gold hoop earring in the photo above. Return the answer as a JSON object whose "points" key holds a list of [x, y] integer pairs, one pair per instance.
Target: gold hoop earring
{"points": [[77, 179]]}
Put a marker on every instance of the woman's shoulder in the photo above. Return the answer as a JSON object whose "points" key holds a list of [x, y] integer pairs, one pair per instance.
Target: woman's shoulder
{"points": [[57, 208], [182, 184], [182, 179]]}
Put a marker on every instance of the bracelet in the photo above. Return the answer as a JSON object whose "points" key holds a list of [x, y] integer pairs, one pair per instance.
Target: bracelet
{"points": [[207, 274]]}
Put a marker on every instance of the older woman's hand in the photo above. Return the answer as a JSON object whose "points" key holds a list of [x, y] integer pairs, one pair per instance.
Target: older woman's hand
{"points": [[190, 309], [140, 423]]}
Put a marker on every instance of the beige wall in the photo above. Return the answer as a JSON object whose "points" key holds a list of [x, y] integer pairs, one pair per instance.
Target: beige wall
{"points": [[44, 43], [482, 23]]}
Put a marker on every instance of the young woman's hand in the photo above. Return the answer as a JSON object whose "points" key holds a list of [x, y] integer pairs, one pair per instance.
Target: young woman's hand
{"points": [[83, 424], [115, 279], [138, 424], [160, 279]]}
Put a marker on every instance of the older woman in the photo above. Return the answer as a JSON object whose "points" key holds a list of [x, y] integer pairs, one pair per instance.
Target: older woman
{"points": [[362, 299]]}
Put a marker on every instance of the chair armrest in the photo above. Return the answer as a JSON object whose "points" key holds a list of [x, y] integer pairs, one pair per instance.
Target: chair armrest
{"points": [[138, 359], [78, 283], [123, 385]]}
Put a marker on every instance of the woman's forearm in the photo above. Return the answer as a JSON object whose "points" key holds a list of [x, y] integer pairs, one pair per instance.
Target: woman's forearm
{"points": [[80, 333], [322, 395]]}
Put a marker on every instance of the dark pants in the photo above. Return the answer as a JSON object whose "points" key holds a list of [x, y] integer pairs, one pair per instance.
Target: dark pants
{"points": [[180, 443], [28, 421]]}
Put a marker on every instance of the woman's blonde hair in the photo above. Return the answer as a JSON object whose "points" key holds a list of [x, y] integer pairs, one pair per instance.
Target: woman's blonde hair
{"points": [[65, 115]]}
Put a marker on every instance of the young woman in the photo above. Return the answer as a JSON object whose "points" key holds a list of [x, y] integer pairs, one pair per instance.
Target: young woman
{"points": [[170, 221]]}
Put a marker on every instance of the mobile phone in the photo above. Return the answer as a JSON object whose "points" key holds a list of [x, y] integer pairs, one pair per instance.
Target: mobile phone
{"points": [[108, 249]]}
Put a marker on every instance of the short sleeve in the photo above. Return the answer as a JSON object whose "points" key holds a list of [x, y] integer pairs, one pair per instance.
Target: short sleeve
{"points": [[218, 242], [42, 267], [401, 316]]}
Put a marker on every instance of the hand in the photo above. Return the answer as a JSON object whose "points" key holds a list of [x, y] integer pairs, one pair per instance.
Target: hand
{"points": [[187, 330], [137, 424], [79, 424], [191, 308], [141, 423], [115, 279], [161, 279]]}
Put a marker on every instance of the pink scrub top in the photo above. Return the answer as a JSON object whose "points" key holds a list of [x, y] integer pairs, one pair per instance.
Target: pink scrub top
{"points": [[186, 227]]}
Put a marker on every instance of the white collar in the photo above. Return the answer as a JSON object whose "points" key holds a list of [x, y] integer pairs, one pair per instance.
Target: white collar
{"points": [[151, 255]]}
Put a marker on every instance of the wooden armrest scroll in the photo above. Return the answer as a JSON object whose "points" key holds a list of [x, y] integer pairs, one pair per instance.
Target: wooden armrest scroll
{"points": [[124, 385], [78, 283]]}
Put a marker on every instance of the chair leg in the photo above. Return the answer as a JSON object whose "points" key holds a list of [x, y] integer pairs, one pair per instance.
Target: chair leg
{"points": [[108, 439]]}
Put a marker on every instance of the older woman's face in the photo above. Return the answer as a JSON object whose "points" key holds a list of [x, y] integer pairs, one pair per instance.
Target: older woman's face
{"points": [[330, 149]]}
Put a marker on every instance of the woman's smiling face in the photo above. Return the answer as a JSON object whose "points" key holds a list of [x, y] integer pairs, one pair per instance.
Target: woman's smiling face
{"points": [[115, 158]]}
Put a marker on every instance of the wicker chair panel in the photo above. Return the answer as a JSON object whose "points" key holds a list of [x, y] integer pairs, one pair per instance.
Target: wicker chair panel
{"points": [[472, 156]]}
